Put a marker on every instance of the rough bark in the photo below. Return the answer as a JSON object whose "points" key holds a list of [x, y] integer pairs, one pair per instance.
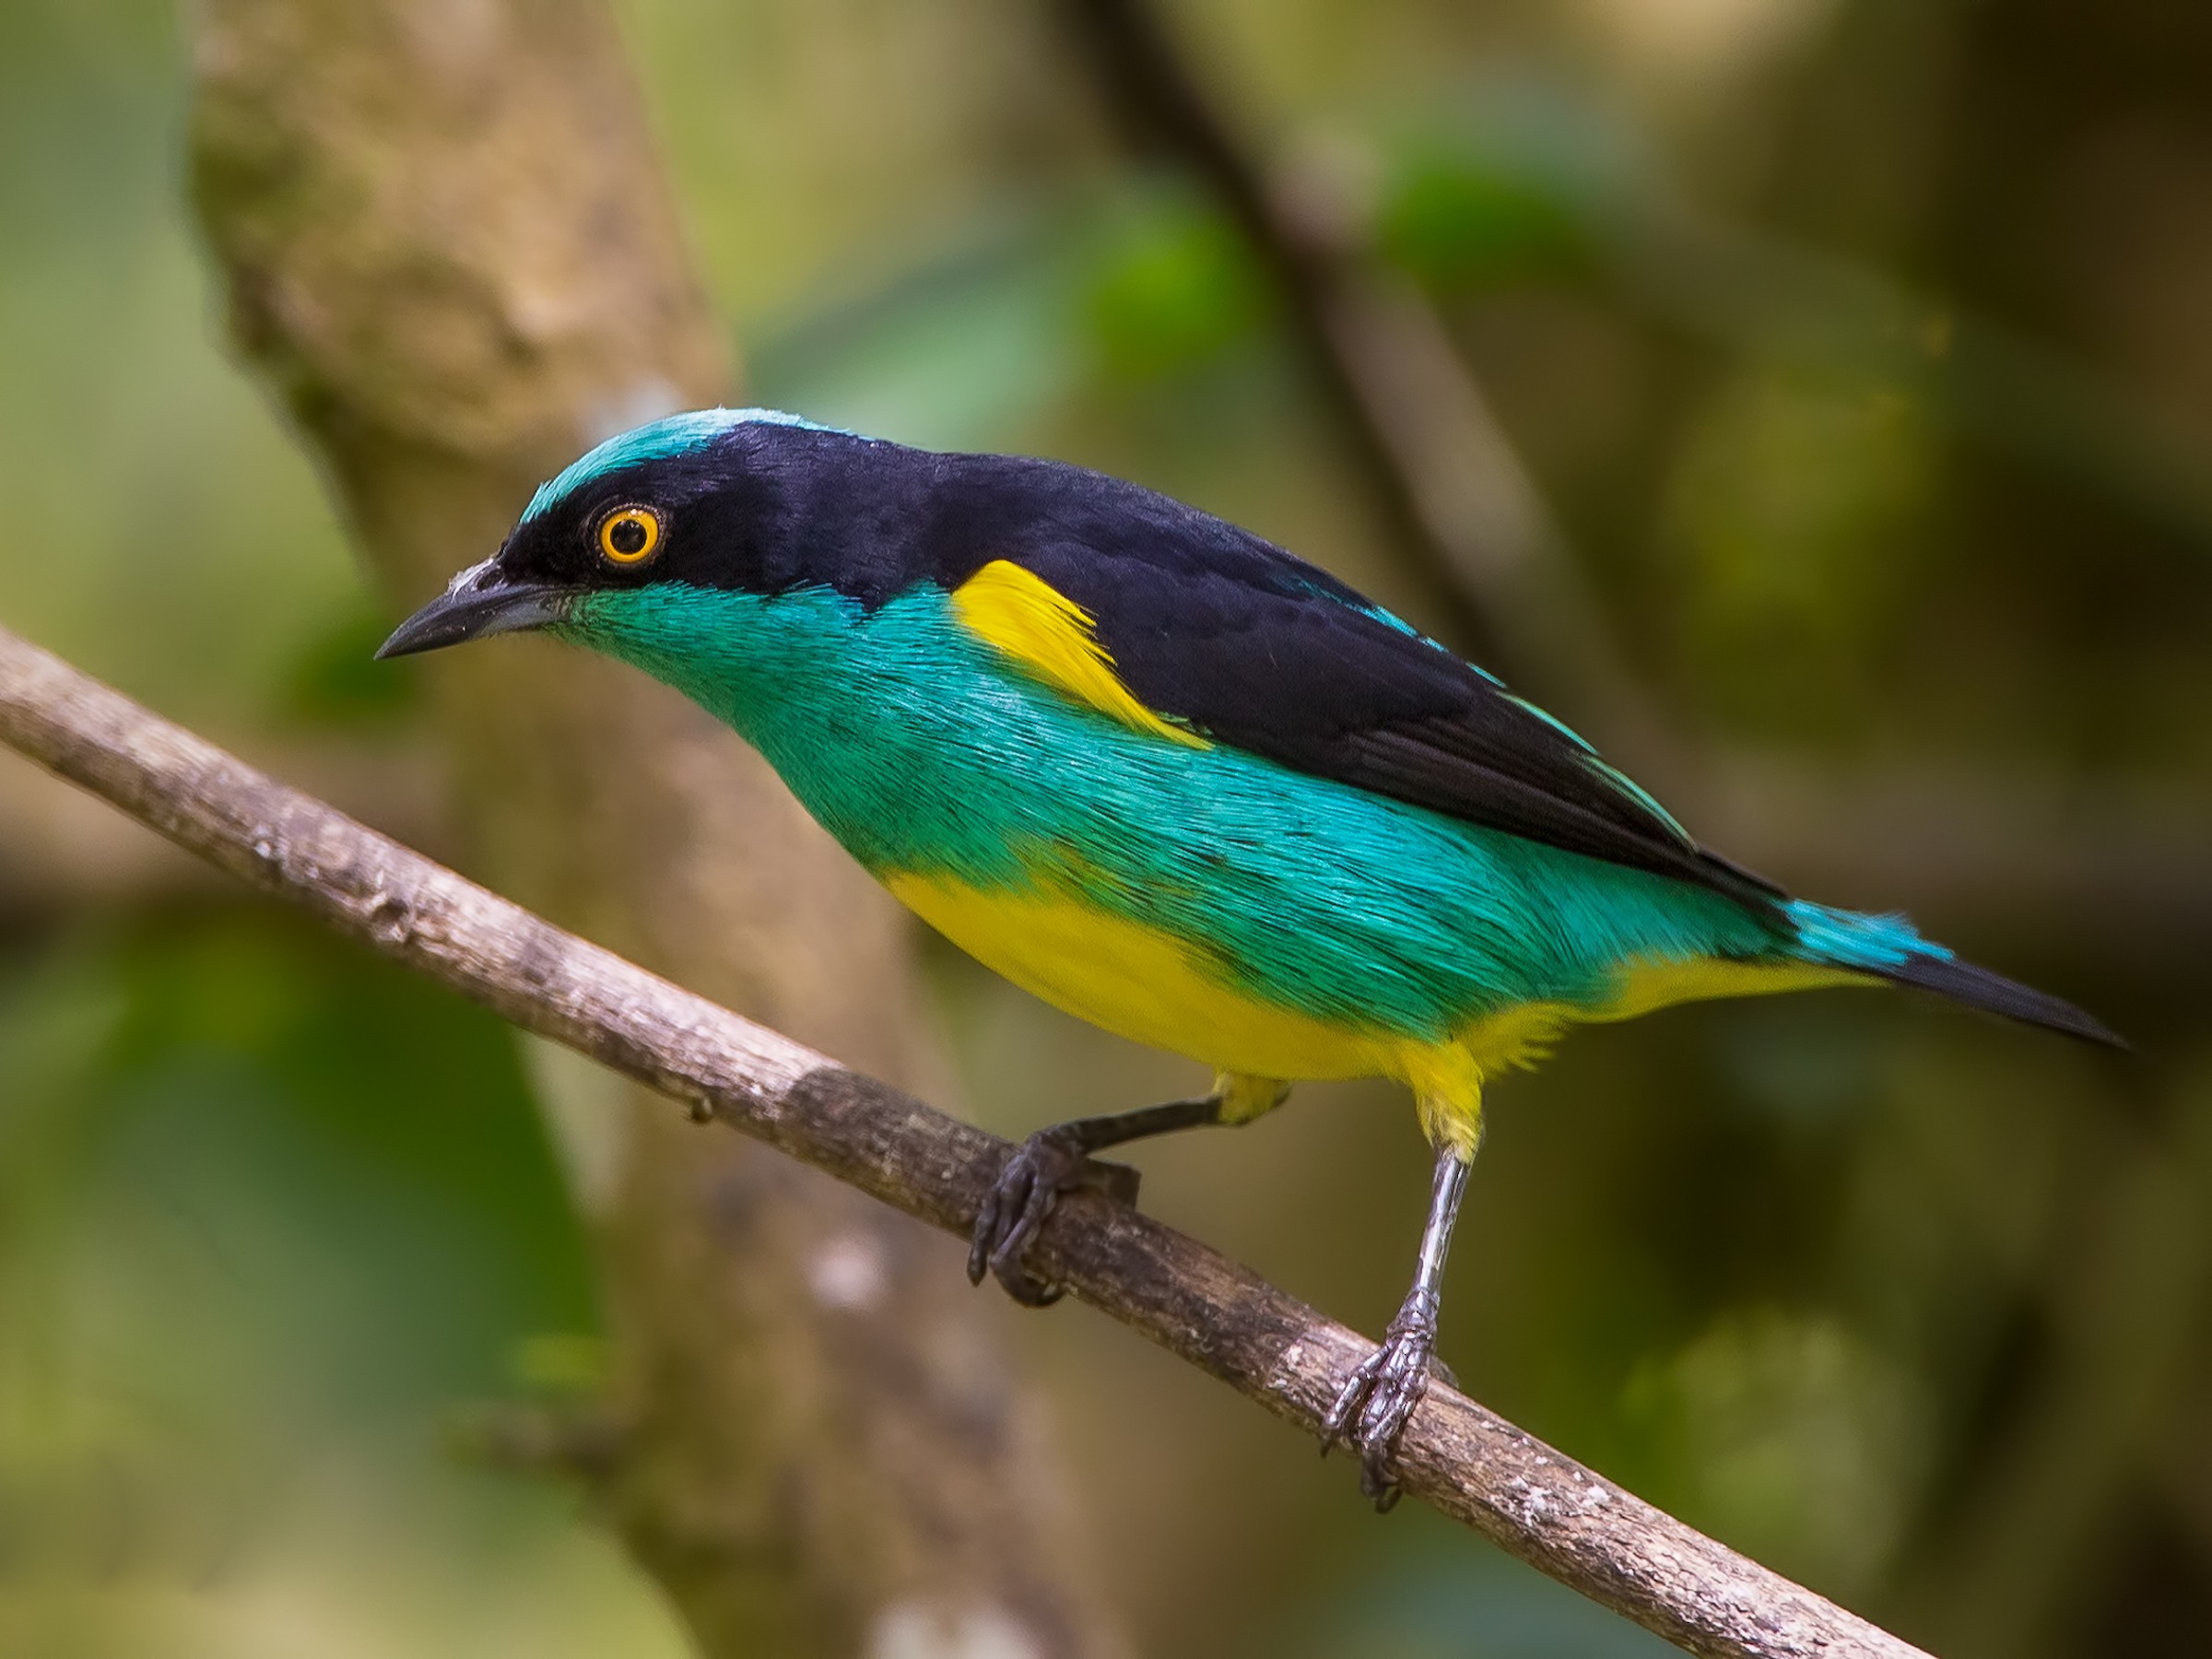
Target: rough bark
{"points": [[1478, 1468], [449, 247]]}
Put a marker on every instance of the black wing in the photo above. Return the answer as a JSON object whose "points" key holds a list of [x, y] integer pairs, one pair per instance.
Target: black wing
{"points": [[1230, 635]]}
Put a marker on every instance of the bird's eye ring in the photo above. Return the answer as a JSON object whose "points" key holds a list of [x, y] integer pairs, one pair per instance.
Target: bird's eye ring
{"points": [[629, 536]]}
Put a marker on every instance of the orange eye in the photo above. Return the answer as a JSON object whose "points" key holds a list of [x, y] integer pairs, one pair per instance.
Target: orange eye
{"points": [[629, 535]]}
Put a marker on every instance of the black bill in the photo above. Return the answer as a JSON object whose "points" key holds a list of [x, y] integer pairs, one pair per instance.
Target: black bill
{"points": [[481, 601]]}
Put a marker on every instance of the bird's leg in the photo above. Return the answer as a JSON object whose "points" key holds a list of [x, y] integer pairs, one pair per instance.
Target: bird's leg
{"points": [[1372, 1408], [1057, 1159]]}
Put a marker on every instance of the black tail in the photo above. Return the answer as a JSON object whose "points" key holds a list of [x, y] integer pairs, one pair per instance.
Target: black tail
{"points": [[1979, 988]]}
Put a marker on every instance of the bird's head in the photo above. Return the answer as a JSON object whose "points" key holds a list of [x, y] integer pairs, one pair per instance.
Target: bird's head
{"points": [[695, 500]]}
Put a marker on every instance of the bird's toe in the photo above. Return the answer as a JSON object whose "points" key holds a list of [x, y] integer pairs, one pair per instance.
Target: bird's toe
{"points": [[1351, 1400], [1027, 1192], [1372, 1408]]}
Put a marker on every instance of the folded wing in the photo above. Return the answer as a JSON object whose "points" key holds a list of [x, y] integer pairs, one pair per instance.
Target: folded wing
{"points": [[1224, 635]]}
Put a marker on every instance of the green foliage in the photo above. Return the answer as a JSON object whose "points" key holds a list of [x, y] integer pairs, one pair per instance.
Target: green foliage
{"points": [[1176, 288], [336, 681], [961, 351], [269, 1209], [1764, 1408], [1798, 504], [163, 533], [1465, 222]]}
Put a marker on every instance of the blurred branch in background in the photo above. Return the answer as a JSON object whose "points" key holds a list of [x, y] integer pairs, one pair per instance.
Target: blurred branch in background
{"points": [[1541, 1506], [1487, 543], [449, 248], [1533, 181]]}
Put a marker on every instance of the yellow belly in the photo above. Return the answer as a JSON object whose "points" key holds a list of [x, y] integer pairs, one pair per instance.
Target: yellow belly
{"points": [[1138, 982], [1159, 990], [1520, 1036]]}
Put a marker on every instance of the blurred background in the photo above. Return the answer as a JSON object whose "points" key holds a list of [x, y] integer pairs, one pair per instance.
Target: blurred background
{"points": [[1859, 355]]}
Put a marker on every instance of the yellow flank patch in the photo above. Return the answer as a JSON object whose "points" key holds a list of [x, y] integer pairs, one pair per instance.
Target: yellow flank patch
{"points": [[1136, 981], [1052, 635], [1446, 1080], [1244, 1098], [1648, 985], [1521, 1036], [1154, 988]]}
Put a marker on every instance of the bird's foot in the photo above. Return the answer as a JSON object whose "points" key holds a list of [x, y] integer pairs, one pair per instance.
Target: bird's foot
{"points": [[1372, 1407], [1049, 1162]]}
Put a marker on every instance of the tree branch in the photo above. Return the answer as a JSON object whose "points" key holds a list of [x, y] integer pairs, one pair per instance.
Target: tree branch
{"points": [[1535, 1503]]}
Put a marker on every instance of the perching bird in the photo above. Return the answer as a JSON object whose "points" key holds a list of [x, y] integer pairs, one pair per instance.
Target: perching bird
{"points": [[1171, 778]]}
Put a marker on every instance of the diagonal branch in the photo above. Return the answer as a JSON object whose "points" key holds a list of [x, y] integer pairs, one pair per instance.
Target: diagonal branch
{"points": [[1528, 1499]]}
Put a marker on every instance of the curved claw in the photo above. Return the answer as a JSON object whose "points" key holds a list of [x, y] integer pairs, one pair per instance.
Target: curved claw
{"points": [[1372, 1408], [1020, 1201]]}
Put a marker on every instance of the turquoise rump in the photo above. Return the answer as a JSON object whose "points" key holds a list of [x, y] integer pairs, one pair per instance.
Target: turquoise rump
{"points": [[1171, 779]]}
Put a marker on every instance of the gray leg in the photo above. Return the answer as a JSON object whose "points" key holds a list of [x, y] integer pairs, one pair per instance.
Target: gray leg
{"points": [[1372, 1409], [1057, 1161]]}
